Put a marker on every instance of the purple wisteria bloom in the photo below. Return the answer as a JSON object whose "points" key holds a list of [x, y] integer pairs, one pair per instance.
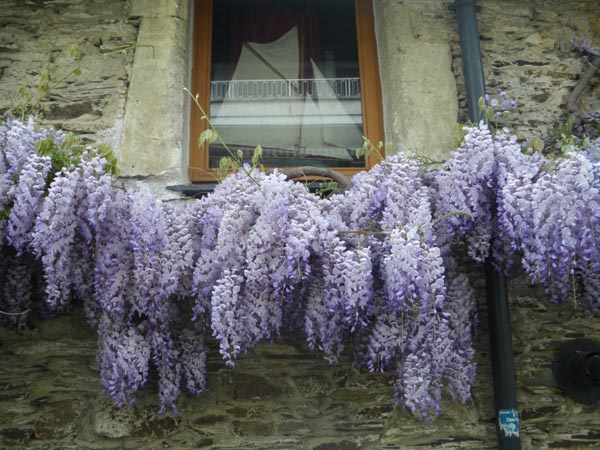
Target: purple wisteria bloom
{"points": [[555, 222], [373, 267], [16, 276], [17, 145], [28, 201]]}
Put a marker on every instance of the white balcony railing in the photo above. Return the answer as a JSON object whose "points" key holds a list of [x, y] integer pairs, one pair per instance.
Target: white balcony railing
{"points": [[340, 88]]}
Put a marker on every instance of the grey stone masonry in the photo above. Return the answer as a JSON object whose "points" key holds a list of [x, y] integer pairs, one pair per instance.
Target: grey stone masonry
{"points": [[135, 101], [36, 34], [283, 396], [528, 53]]}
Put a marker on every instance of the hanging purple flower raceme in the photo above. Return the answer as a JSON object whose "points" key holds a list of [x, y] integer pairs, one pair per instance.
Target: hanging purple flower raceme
{"points": [[405, 321], [183, 247], [385, 340], [396, 198], [193, 361], [28, 200], [289, 231], [388, 196], [414, 273], [338, 296], [225, 218], [468, 193], [463, 194], [227, 316], [165, 357], [55, 237], [124, 352], [460, 307], [69, 233], [266, 228], [266, 265], [358, 287], [17, 144], [515, 168], [153, 287], [219, 278], [414, 276], [133, 281], [421, 370], [109, 215], [308, 234], [16, 274], [123, 357], [555, 221], [152, 277], [437, 350], [124, 306]]}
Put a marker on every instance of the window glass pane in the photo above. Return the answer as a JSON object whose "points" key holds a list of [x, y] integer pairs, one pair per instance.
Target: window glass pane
{"points": [[285, 76]]}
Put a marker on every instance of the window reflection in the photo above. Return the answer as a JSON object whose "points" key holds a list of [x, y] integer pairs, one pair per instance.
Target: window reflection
{"points": [[285, 76]]}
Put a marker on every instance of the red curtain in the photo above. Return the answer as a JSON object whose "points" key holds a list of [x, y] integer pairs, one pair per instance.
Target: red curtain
{"points": [[263, 21]]}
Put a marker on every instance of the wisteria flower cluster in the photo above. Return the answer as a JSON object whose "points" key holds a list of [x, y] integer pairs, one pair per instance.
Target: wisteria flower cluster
{"points": [[22, 184], [584, 46], [404, 316], [261, 257], [555, 223], [495, 107], [257, 237], [588, 128], [468, 192]]}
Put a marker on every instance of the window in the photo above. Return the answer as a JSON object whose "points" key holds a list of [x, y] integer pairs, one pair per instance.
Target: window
{"points": [[300, 78]]}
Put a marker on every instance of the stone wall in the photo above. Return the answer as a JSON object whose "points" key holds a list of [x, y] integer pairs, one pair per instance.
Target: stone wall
{"points": [[135, 101], [132, 101], [34, 34], [419, 86], [527, 45], [283, 396], [155, 141]]}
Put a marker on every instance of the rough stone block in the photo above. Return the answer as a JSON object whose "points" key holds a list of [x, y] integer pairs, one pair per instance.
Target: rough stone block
{"points": [[153, 125], [340, 445], [58, 420], [17, 435], [420, 101], [159, 8], [252, 428], [251, 386]]}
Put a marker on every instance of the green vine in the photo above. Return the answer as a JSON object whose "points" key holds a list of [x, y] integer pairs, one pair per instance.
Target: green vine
{"points": [[31, 100]]}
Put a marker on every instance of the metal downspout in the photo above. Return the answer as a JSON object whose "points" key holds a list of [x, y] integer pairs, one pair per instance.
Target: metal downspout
{"points": [[503, 370]]}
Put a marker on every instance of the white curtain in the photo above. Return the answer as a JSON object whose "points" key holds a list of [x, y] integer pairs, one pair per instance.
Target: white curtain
{"points": [[291, 122]]}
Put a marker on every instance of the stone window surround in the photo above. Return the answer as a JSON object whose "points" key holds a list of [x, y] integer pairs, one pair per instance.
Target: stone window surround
{"points": [[369, 76], [420, 103]]}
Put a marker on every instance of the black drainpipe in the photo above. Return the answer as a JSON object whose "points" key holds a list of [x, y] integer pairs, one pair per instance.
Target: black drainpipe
{"points": [[503, 370]]}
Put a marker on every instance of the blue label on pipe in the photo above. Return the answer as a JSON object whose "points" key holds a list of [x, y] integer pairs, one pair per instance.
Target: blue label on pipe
{"points": [[508, 421]]}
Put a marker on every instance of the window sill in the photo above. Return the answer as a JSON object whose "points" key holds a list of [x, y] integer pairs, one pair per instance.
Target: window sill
{"points": [[193, 190]]}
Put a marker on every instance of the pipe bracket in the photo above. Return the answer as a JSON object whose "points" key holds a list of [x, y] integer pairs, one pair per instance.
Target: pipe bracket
{"points": [[576, 370]]}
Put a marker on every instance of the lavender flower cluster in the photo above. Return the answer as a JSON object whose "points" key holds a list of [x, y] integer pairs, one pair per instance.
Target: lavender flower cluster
{"points": [[588, 128], [411, 310], [261, 257], [584, 46], [494, 107], [22, 184], [469, 192], [555, 222]]}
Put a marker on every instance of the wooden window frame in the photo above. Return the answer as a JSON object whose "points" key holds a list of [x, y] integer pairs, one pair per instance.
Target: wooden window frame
{"points": [[198, 170]]}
